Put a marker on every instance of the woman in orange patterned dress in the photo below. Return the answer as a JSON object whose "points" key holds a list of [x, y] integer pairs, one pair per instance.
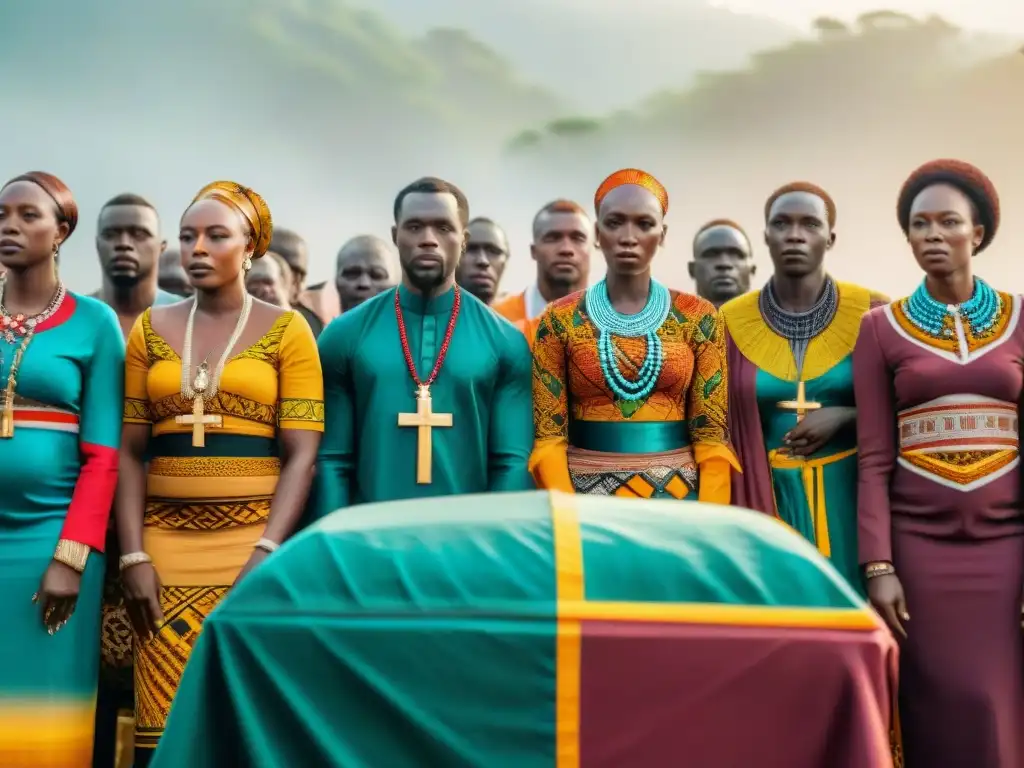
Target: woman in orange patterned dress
{"points": [[630, 385]]}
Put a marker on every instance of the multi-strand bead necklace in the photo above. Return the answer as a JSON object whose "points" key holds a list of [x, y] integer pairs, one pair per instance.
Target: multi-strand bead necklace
{"points": [[645, 324], [980, 312]]}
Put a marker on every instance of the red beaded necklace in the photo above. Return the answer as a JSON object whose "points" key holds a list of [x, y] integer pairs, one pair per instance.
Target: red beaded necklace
{"points": [[445, 342]]}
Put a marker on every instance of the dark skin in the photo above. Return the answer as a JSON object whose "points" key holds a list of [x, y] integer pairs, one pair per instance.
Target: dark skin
{"points": [[431, 237], [215, 241], [562, 244], [798, 236], [268, 282], [483, 264], [30, 234], [129, 245], [364, 269], [293, 249], [943, 234], [722, 265], [629, 231], [171, 276]]}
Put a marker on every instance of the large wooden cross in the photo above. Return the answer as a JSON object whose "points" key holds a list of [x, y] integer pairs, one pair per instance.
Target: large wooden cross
{"points": [[801, 405], [424, 420], [199, 421]]}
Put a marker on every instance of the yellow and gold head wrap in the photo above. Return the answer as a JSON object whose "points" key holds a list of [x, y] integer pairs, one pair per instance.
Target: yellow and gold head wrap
{"points": [[632, 176], [250, 204]]}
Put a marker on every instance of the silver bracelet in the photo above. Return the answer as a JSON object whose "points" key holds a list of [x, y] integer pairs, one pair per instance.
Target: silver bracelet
{"points": [[132, 559], [267, 545]]}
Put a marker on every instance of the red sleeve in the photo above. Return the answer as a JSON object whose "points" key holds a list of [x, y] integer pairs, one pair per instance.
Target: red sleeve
{"points": [[89, 511], [99, 436], [876, 442]]}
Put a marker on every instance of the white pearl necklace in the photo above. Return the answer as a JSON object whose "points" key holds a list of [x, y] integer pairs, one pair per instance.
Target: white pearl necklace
{"points": [[203, 385]]}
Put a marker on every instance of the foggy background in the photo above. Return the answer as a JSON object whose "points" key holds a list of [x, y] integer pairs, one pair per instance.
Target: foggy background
{"points": [[328, 107]]}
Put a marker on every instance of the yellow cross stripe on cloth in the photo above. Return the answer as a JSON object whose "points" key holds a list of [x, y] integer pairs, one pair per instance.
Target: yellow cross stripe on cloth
{"points": [[574, 608]]}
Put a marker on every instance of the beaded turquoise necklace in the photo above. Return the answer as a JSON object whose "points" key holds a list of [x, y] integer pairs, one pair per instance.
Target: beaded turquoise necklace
{"points": [[980, 312], [610, 322]]}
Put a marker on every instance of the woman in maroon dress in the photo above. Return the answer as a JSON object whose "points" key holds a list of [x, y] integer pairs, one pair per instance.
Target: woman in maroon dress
{"points": [[941, 528]]}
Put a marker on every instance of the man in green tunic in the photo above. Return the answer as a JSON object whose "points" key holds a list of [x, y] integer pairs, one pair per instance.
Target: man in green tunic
{"points": [[427, 391]]}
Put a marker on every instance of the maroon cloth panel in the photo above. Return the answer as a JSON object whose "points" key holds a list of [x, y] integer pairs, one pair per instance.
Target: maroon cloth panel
{"points": [[677, 695], [751, 488], [962, 666]]}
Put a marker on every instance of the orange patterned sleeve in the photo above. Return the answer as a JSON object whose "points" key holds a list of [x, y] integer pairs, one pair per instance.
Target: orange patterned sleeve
{"points": [[549, 461], [707, 408]]}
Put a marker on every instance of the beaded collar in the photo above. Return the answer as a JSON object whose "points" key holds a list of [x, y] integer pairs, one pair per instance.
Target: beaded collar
{"points": [[936, 319], [798, 328]]}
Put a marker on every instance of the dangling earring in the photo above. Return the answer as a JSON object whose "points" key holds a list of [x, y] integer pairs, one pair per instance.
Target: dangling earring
{"points": [[247, 264]]}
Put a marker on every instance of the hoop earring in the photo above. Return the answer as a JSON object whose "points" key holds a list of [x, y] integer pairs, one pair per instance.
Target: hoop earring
{"points": [[247, 264]]}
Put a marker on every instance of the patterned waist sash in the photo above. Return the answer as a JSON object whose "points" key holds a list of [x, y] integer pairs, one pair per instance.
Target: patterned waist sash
{"points": [[228, 483], [962, 441]]}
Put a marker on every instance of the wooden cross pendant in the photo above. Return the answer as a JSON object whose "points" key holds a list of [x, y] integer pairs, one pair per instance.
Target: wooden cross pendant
{"points": [[199, 421], [424, 420], [801, 405]]}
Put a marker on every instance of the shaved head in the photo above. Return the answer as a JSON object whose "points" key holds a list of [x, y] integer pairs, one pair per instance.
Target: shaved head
{"points": [[366, 266]]}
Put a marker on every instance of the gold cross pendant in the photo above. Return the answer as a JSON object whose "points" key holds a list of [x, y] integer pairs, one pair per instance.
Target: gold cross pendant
{"points": [[424, 420], [7, 422], [199, 420], [801, 405]]}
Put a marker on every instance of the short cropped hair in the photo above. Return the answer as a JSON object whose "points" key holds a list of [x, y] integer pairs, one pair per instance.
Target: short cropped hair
{"points": [[559, 206], [431, 185], [978, 188]]}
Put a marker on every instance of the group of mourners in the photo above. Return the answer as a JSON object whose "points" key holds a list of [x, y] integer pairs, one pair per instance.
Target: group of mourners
{"points": [[192, 441]]}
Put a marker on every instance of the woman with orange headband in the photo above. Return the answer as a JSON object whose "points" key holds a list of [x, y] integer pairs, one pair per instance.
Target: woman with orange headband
{"points": [[629, 382], [224, 398]]}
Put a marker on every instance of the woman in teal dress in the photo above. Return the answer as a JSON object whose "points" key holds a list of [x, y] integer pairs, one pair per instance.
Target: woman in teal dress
{"points": [[61, 383], [791, 405]]}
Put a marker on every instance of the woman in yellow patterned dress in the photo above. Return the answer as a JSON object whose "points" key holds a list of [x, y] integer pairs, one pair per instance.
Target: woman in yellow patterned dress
{"points": [[630, 384], [224, 396]]}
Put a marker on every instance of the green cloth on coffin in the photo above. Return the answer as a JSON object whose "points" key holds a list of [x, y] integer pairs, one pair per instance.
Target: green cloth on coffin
{"points": [[423, 632], [832, 389]]}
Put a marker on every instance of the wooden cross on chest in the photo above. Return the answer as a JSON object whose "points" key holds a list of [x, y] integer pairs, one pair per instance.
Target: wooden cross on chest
{"points": [[199, 420], [424, 420], [801, 405]]}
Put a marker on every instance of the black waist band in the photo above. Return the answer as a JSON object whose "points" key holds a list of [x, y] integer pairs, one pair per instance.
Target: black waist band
{"points": [[217, 445]]}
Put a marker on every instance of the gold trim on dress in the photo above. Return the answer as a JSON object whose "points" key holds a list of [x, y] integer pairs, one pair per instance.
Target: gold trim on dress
{"points": [[771, 352]]}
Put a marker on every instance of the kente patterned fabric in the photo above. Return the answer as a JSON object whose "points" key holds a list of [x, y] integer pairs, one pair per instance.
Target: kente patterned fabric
{"points": [[207, 507], [671, 474], [538, 630], [960, 440]]}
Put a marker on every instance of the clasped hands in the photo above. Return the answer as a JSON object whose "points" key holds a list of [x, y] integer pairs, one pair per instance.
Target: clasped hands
{"points": [[816, 429]]}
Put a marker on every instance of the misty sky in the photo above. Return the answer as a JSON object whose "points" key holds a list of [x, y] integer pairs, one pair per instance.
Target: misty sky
{"points": [[992, 15], [329, 180]]}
